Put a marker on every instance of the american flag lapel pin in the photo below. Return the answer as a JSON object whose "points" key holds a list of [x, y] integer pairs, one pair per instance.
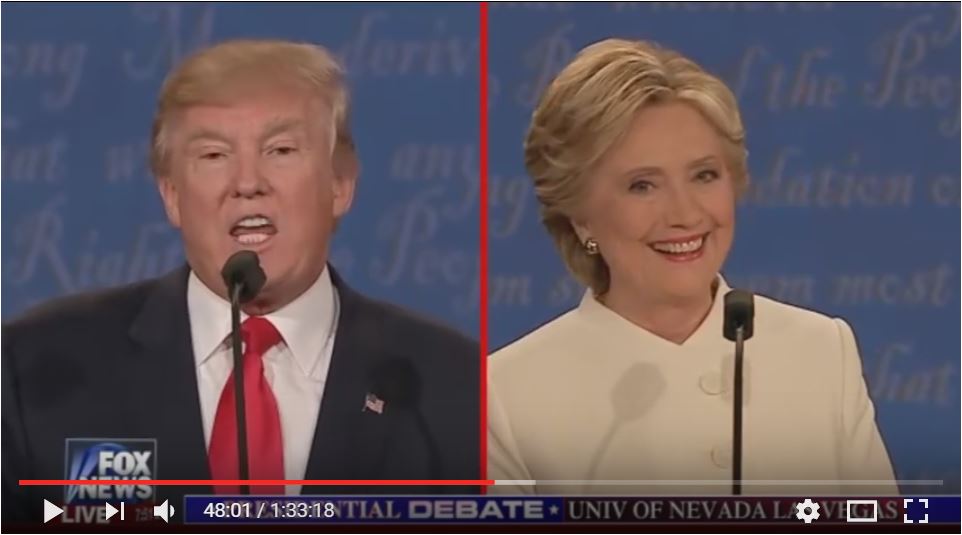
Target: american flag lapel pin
{"points": [[373, 403]]}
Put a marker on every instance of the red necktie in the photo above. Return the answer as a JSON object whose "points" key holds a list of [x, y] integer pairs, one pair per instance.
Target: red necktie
{"points": [[265, 450]]}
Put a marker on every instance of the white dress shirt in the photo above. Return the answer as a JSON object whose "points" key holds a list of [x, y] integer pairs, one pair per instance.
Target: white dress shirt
{"points": [[296, 368], [590, 399]]}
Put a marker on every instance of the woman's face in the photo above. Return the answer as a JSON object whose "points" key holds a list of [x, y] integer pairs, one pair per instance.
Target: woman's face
{"points": [[661, 205]]}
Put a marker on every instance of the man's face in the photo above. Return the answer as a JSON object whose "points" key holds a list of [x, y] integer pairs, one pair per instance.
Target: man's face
{"points": [[256, 173]]}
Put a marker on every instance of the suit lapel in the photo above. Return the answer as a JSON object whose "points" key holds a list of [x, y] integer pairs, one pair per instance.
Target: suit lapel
{"points": [[162, 333], [349, 442]]}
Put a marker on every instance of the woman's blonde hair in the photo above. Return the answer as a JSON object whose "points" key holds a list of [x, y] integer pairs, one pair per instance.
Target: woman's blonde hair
{"points": [[588, 108], [214, 74]]}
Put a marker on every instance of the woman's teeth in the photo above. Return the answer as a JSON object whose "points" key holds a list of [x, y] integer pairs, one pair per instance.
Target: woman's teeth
{"points": [[679, 247]]}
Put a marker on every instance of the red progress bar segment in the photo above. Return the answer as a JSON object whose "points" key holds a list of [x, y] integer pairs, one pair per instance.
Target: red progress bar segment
{"points": [[256, 482]]}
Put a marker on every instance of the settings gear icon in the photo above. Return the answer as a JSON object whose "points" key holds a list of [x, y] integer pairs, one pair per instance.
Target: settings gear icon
{"points": [[807, 511]]}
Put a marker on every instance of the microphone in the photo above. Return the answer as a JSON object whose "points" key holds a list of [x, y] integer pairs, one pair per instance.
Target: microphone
{"points": [[738, 326], [242, 273], [244, 277], [398, 383]]}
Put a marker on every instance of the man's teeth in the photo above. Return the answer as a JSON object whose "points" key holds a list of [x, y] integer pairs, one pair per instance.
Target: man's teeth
{"points": [[252, 239], [679, 247], [252, 230], [253, 222]]}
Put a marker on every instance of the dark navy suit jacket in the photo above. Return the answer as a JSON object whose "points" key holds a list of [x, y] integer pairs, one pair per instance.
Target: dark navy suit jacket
{"points": [[119, 364]]}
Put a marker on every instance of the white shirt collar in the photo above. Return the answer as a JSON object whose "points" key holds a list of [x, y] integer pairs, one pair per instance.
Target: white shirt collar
{"points": [[306, 323], [710, 330]]}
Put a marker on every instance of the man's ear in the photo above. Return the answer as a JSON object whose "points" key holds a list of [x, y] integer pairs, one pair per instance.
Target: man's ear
{"points": [[346, 172], [171, 197]]}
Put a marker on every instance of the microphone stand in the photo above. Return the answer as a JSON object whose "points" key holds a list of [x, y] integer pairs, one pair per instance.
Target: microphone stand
{"points": [[239, 401], [738, 326], [737, 412]]}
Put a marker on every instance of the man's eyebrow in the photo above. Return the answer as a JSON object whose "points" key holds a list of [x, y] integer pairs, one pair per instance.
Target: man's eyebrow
{"points": [[273, 127], [281, 124], [206, 134]]}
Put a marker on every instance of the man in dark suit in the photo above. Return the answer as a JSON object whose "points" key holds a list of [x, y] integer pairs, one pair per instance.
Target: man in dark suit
{"points": [[252, 151]]}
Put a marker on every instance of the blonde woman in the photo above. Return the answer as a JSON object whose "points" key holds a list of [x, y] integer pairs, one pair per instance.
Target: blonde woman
{"points": [[638, 156]]}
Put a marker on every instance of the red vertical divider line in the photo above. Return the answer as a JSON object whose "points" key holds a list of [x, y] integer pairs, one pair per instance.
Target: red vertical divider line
{"points": [[483, 245]]}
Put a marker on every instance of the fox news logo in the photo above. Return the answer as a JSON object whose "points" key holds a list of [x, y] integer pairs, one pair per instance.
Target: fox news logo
{"points": [[110, 460]]}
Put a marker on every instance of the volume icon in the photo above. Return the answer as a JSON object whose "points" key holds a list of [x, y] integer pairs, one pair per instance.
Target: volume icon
{"points": [[164, 511]]}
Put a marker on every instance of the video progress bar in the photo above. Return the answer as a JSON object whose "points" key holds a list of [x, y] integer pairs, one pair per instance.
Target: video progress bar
{"points": [[257, 482], [717, 482], [478, 482]]}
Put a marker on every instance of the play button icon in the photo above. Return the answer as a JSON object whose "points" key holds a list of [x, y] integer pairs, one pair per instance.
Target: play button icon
{"points": [[50, 511]]}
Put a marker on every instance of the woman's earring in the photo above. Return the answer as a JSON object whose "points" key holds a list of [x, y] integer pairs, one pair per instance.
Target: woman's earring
{"points": [[591, 246]]}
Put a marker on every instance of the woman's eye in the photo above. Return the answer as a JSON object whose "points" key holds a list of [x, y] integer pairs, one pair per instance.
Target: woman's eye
{"points": [[641, 186], [707, 175]]}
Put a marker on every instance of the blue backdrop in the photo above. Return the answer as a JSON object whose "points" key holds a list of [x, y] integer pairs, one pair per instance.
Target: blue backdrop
{"points": [[80, 209], [852, 114]]}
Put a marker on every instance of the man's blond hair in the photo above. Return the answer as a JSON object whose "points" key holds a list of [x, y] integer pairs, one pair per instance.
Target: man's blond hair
{"points": [[213, 74]]}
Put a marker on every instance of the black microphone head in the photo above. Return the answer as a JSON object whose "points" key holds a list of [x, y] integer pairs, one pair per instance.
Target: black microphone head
{"points": [[243, 268], [739, 312]]}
